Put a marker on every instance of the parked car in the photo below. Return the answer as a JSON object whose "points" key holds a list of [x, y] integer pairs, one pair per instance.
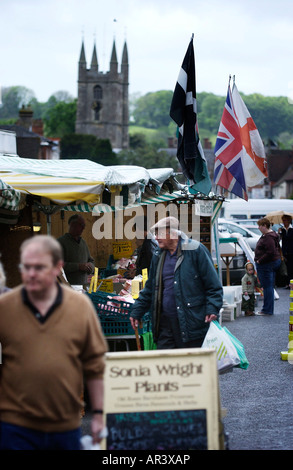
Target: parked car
{"points": [[231, 227], [254, 228], [247, 222]]}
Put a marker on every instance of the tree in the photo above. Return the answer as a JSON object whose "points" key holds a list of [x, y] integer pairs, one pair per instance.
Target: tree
{"points": [[85, 146], [60, 119], [152, 109], [13, 98]]}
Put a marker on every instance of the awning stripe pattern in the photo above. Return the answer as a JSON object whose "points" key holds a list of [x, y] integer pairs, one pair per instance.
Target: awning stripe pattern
{"points": [[67, 181]]}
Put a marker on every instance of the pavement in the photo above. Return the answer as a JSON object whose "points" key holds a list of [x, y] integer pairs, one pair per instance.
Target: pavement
{"points": [[257, 401]]}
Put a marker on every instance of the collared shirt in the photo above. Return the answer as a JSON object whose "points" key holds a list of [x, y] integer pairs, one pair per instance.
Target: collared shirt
{"points": [[35, 311], [168, 297]]}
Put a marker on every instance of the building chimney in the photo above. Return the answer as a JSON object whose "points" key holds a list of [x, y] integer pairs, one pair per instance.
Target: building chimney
{"points": [[26, 117], [38, 126], [207, 143]]}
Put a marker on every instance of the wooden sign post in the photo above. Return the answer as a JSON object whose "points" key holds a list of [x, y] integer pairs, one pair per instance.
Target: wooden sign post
{"points": [[162, 400]]}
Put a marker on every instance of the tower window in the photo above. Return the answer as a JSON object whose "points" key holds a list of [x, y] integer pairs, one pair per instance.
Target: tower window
{"points": [[98, 92], [97, 106]]}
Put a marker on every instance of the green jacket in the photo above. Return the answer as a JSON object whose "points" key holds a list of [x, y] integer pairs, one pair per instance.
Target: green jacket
{"points": [[197, 288]]}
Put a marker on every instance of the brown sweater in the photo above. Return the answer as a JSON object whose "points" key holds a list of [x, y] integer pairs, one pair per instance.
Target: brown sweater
{"points": [[43, 364], [267, 248]]}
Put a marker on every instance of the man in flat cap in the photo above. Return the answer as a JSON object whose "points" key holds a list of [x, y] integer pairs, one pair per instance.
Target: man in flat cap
{"points": [[183, 291]]}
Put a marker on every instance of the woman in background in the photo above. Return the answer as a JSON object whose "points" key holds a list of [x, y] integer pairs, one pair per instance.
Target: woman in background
{"points": [[267, 260]]}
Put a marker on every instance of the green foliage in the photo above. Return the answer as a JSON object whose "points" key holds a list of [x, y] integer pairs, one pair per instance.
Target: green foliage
{"points": [[79, 146], [147, 157], [272, 115], [60, 119], [150, 118], [145, 151], [152, 109], [13, 98], [7, 122]]}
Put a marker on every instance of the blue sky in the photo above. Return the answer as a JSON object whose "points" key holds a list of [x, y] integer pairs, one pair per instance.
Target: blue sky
{"points": [[251, 39]]}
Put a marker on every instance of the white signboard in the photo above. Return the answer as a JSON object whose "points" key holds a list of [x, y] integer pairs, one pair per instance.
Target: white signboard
{"points": [[162, 400]]}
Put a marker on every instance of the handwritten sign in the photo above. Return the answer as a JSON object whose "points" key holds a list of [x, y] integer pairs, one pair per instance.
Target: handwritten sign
{"points": [[162, 400], [176, 430], [106, 285], [122, 249]]}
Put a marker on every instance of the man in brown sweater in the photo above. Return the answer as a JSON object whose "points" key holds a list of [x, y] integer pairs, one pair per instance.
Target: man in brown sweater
{"points": [[51, 339]]}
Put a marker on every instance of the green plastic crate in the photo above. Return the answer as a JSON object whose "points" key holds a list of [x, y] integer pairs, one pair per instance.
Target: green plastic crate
{"points": [[114, 315]]}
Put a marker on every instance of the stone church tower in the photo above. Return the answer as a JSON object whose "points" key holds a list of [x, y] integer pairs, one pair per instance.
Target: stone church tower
{"points": [[102, 104]]}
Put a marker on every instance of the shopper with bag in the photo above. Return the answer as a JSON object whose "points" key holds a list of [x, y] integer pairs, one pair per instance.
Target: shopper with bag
{"points": [[268, 261], [183, 291]]}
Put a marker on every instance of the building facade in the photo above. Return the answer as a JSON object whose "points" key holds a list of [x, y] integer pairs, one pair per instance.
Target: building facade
{"points": [[102, 105]]}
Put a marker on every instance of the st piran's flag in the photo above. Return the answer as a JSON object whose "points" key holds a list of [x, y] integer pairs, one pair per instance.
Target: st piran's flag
{"points": [[183, 111]]}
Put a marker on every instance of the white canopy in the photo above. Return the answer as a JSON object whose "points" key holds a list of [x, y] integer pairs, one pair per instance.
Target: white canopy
{"points": [[68, 181]]}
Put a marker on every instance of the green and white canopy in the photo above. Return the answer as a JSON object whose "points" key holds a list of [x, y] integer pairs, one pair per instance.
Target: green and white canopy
{"points": [[77, 181]]}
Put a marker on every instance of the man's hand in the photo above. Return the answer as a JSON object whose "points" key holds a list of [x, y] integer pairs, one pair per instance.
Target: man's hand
{"points": [[85, 267], [210, 318], [97, 425], [134, 322]]}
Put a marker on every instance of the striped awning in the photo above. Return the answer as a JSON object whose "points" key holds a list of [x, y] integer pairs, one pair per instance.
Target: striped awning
{"points": [[9, 197], [67, 181], [59, 183]]}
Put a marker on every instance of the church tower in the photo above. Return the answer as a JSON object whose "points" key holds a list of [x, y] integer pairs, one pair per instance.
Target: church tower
{"points": [[102, 104]]}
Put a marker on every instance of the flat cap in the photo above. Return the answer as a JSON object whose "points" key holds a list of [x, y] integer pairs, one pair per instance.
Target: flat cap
{"points": [[166, 222]]}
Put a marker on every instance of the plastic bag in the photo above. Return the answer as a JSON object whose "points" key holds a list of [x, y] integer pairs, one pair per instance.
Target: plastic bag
{"points": [[240, 350], [148, 341], [86, 441], [218, 339]]}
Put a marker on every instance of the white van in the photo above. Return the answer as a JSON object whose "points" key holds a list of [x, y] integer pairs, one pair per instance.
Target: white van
{"points": [[253, 208]]}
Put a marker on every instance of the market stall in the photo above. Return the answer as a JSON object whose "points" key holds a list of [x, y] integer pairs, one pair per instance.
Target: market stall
{"points": [[55, 188]]}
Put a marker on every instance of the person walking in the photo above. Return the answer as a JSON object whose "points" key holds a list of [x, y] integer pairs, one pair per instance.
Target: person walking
{"points": [[286, 233], [51, 339], [183, 291], [267, 260], [78, 262]]}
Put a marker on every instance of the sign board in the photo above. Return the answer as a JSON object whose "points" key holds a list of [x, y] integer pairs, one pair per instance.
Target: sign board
{"points": [[122, 249], [162, 400], [204, 208], [106, 285]]}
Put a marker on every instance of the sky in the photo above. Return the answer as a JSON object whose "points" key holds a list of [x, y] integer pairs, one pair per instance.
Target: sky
{"points": [[251, 39]]}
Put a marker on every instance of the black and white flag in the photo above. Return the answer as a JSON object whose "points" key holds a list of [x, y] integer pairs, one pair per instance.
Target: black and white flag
{"points": [[183, 111]]}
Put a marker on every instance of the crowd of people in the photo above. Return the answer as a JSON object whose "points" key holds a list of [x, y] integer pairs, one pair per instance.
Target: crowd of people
{"points": [[52, 341]]}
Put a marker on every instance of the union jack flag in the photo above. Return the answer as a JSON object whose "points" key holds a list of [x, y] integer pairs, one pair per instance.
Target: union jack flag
{"points": [[229, 170]]}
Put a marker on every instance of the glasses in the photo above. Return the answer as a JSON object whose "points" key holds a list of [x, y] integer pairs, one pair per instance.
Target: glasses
{"points": [[36, 267]]}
